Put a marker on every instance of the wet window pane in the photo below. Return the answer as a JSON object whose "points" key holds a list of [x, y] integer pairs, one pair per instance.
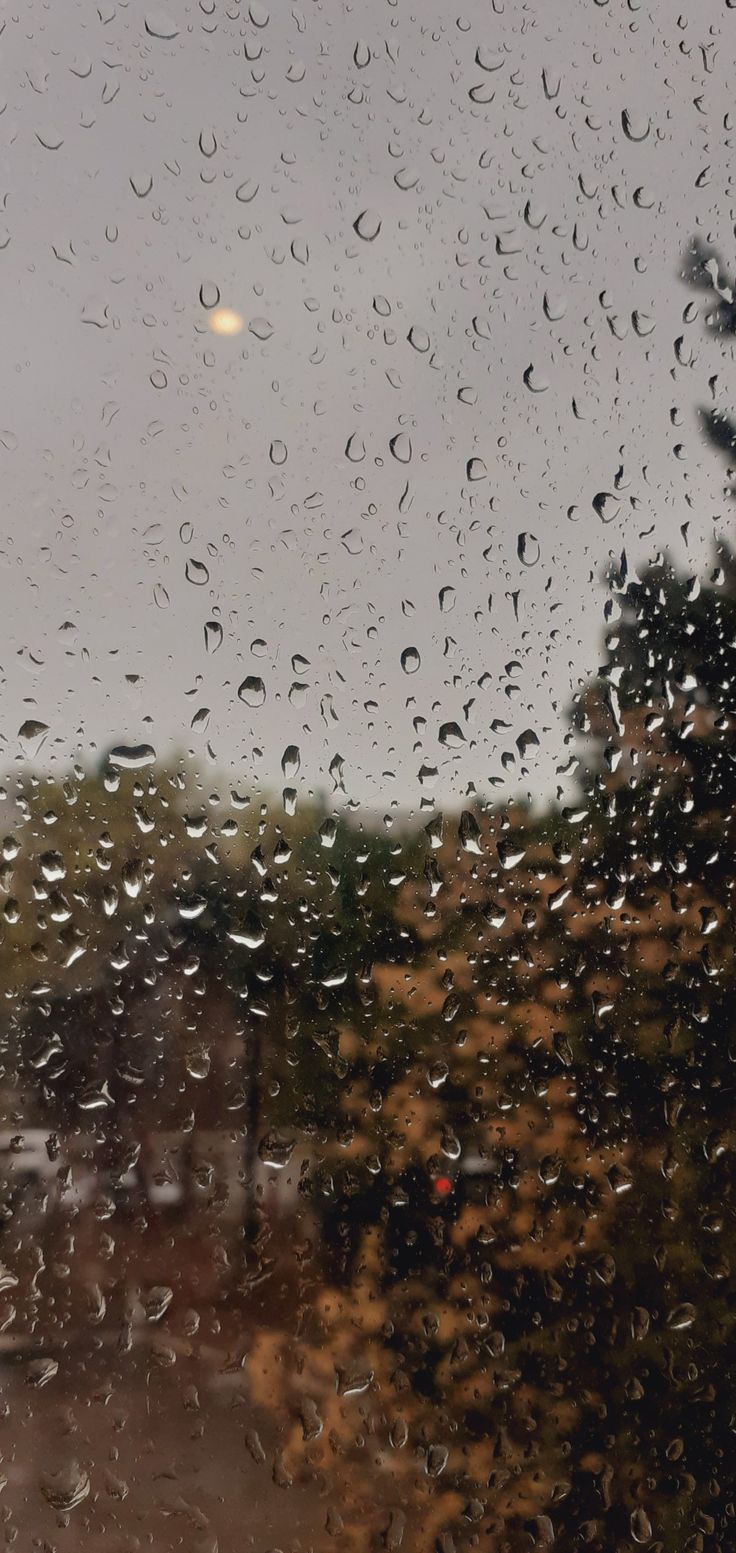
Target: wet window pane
{"points": [[368, 650]]}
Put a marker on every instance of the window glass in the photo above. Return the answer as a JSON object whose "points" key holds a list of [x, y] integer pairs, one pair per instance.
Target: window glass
{"points": [[368, 650]]}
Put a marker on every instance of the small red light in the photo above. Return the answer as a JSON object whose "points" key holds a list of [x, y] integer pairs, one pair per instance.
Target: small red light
{"points": [[443, 1186]]}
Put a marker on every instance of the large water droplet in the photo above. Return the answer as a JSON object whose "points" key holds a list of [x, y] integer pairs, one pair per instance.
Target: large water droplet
{"points": [[65, 1488], [132, 757], [291, 761], [528, 548], [607, 506], [641, 1526], [636, 126], [212, 635], [159, 25], [196, 572], [275, 1149], [261, 328], [400, 446], [252, 690], [367, 225]]}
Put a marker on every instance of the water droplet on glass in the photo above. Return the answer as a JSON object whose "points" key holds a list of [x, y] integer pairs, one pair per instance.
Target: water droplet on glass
{"points": [[252, 690], [212, 635], [607, 506], [528, 548], [132, 757], [261, 328], [641, 1526], [196, 572], [275, 1149], [66, 1488], [636, 126], [159, 24], [290, 761], [31, 730], [400, 446], [536, 381], [367, 225]]}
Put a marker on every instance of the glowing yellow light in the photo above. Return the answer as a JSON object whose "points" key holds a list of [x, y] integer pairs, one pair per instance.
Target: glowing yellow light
{"points": [[224, 320]]}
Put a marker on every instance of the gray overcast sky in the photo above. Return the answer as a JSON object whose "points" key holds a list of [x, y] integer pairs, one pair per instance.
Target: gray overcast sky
{"points": [[536, 170]]}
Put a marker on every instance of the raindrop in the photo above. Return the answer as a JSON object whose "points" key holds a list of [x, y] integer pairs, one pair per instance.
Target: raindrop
{"points": [[131, 757], [275, 1149], [607, 506], [251, 935], [643, 324], [635, 125], [537, 382], [252, 691], [65, 1488], [261, 328], [469, 832], [488, 59], [436, 1461], [31, 730], [555, 307], [419, 338], [209, 294], [196, 572], [156, 1301], [400, 446], [247, 191], [527, 548], [159, 25], [141, 185], [212, 635], [290, 761], [410, 660], [527, 741], [681, 1317], [641, 1526], [367, 225], [41, 1371]]}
